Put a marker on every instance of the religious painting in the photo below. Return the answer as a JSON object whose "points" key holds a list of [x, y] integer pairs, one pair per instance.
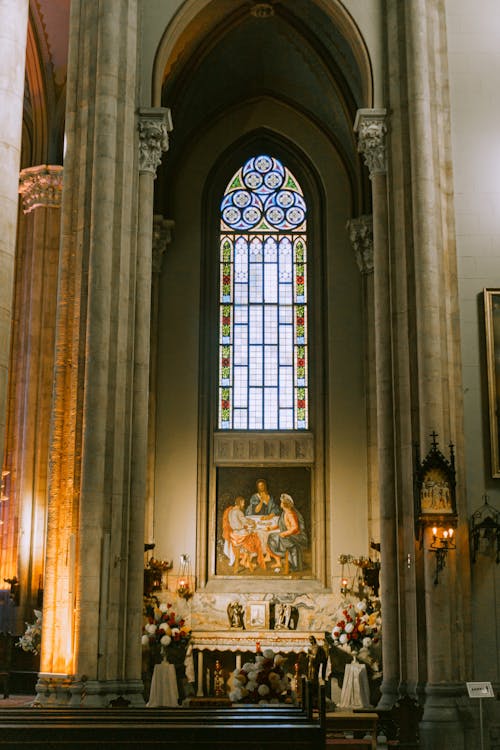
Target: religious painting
{"points": [[257, 616], [263, 522], [435, 496], [435, 484], [492, 325]]}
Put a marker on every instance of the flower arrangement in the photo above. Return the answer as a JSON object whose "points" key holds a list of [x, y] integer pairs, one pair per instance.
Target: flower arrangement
{"points": [[32, 636], [359, 625], [263, 681], [163, 627]]}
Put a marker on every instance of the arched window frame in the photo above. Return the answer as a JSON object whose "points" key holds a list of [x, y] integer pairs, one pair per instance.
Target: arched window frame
{"points": [[233, 448]]}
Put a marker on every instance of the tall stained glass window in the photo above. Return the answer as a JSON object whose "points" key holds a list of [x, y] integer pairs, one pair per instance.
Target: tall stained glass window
{"points": [[263, 378]]}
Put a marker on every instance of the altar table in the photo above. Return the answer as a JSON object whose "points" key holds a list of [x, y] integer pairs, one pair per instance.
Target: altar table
{"points": [[241, 641], [163, 686]]}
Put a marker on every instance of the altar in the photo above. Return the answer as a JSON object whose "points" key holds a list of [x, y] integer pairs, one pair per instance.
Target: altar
{"points": [[244, 641]]}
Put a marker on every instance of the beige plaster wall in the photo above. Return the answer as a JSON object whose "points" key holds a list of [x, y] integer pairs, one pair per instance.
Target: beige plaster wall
{"points": [[474, 65]]}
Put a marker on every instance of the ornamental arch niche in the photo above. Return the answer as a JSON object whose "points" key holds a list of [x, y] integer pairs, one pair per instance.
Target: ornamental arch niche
{"points": [[292, 95]]}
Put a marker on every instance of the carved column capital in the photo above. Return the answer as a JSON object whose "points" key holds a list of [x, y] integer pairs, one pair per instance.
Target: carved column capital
{"points": [[371, 128], [162, 236], [154, 125], [361, 237], [41, 186]]}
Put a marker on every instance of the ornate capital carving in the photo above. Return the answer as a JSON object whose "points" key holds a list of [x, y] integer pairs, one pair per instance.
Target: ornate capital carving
{"points": [[41, 187], [371, 127], [154, 126], [361, 236], [162, 236]]}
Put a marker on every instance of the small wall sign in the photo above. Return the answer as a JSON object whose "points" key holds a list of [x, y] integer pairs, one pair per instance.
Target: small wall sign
{"points": [[480, 690]]}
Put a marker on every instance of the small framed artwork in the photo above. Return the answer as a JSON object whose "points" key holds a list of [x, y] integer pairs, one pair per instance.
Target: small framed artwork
{"points": [[257, 616], [492, 326], [434, 487]]}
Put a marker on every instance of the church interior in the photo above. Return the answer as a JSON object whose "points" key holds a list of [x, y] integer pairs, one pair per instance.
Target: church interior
{"points": [[250, 362]]}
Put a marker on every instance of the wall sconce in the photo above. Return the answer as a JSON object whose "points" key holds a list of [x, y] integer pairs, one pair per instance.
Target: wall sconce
{"points": [[184, 580], [442, 543], [485, 527]]}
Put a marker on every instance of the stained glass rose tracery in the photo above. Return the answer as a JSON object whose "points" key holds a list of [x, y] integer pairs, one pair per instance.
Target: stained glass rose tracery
{"points": [[263, 300]]}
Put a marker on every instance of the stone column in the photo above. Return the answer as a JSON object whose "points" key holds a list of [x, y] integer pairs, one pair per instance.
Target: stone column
{"points": [[371, 128], [162, 237], [94, 562], [153, 126], [435, 632], [30, 388], [361, 236], [13, 35]]}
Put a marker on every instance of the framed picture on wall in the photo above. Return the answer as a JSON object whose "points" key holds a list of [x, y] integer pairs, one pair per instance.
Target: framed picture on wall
{"points": [[492, 326], [263, 522], [257, 616]]}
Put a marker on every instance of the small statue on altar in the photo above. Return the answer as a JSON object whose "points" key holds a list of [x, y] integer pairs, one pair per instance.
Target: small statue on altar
{"points": [[235, 615], [283, 615], [316, 660]]}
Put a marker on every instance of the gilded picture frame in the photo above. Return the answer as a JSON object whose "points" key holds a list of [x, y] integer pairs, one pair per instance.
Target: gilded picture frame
{"points": [[491, 299]]}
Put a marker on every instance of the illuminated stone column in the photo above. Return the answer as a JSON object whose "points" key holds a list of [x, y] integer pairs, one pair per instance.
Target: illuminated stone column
{"points": [[360, 232], [94, 562], [162, 237], [371, 128], [30, 387], [13, 35]]}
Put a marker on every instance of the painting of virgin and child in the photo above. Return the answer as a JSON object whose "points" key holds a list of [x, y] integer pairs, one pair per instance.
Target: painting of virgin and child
{"points": [[263, 522]]}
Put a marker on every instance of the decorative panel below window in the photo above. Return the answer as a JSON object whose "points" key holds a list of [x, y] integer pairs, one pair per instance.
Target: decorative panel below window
{"points": [[263, 379]]}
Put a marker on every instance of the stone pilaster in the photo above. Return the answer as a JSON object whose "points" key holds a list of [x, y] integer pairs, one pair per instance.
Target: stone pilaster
{"points": [[153, 127], [162, 237], [371, 128], [360, 232]]}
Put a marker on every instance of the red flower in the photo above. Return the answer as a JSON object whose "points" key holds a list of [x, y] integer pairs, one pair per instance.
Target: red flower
{"points": [[226, 320], [300, 321], [225, 404], [301, 361], [300, 279], [302, 405], [226, 279], [225, 361]]}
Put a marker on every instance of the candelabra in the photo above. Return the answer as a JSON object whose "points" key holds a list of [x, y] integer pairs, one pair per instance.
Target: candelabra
{"points": [[442, 543]]}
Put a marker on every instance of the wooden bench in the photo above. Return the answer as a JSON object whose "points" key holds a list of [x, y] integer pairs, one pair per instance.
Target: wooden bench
{"points": [[273, 727], [363, 727], [180, 728]]}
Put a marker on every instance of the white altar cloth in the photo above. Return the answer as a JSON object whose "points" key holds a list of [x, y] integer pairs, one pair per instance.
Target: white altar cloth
{"points": [[163, 686], [355, 689]]}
